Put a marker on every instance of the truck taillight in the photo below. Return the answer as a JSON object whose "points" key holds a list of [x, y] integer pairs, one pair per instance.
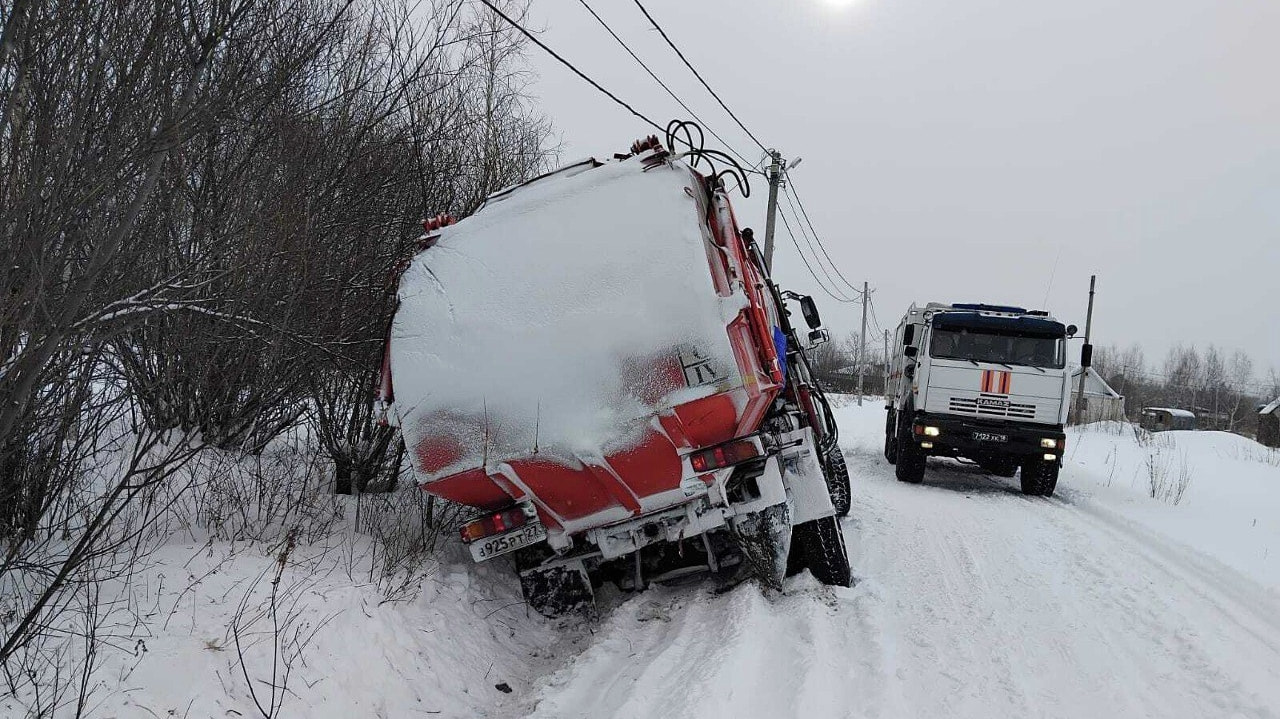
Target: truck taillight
{"points": [[723, 455], [496, 523]]}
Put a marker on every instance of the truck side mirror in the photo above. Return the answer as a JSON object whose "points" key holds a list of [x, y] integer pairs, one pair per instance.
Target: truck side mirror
{"points": [[909, 335], [1086, 355], [817, 337], [910, 351], [810, 311], [1072, 330]]}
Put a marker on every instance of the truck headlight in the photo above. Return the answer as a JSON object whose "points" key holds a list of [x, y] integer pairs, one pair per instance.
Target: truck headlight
{"points": [[1049, 443], [1050, 457], [932, 431]]}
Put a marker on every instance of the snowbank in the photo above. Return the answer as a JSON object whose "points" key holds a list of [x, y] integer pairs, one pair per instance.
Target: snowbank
{"points": [[552, 318], [1229, 485], [1228, 509]]}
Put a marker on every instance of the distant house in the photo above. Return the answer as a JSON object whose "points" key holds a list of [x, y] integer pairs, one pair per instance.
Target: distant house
{"points": [[1269, 424], [1159, 419], [1101, 403]]}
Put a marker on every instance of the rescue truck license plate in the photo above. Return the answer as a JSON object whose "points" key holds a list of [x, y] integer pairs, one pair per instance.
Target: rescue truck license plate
{"points": [[990, 437], [491, 547]]}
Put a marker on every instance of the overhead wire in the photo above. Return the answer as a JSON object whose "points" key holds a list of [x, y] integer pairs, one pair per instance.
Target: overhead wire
{"points": [[792, 235], [695, 72], [875, 322], [842, 296], [835, 285], [795, 191], [532, 38], [664, 86]]}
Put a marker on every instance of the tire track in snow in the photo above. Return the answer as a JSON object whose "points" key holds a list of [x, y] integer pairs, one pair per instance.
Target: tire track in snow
{"points": [[1021, 606], [974, 601], [685, 652]]}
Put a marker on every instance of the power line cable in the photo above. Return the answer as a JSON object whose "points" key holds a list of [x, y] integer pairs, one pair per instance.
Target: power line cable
{"points": [[695, 72], [817, 279], [816, 259], [658, 80], [566, 63], [794, 190], [875, 322]]}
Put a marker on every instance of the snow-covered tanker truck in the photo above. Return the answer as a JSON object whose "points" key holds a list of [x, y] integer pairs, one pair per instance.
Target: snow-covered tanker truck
{"points": [[598, 362]]}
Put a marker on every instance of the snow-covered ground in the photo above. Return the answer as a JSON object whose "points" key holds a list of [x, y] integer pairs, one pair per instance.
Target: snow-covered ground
{"points": [[972, 601], [976, 601]]}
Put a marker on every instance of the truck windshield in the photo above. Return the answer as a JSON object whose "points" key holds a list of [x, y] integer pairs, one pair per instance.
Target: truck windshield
{"points": [[986, 345]]}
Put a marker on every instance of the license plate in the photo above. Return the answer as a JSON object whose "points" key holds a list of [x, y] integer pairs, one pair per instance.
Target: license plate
{"points": [[499, 544], [990, 437]]}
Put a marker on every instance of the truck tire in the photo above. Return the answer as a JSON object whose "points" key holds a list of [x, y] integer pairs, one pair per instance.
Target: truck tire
{"points": [[891, 437], [911, 463], [837, 475], [911, 459], [1039, 478], [820, 546]]}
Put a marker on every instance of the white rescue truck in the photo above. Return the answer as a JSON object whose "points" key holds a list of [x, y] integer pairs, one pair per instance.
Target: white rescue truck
{"points": [[982, 382]]}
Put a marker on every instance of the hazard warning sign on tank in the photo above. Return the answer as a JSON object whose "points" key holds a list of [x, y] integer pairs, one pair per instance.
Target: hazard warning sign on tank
{"points": [[698, 368]]}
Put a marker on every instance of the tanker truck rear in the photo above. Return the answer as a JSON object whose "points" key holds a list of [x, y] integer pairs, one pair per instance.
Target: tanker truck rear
{"points": [[598, 363]]}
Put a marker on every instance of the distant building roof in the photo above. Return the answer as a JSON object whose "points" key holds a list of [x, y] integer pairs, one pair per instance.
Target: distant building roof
{"points": [[1172, 412], [1271, 407]]}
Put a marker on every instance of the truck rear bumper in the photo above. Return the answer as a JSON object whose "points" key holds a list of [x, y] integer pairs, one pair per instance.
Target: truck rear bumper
{"points": [[978, 438]]}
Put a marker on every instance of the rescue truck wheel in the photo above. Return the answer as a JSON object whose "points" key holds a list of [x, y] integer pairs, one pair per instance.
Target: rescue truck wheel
{"points": [[838, 482], [891, 438], [911, 463], [1039, 478], [911, 458], [820, 545]]}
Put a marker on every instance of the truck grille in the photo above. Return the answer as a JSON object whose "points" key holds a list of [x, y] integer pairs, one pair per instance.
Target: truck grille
{"points": [[995, 406]]}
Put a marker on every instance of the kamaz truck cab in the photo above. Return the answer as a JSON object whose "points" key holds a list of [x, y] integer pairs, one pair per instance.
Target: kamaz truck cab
{"points": [[982, 382]]}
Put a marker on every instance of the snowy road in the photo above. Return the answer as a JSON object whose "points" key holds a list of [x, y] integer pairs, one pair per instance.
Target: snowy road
{"points": [[974, 601]]}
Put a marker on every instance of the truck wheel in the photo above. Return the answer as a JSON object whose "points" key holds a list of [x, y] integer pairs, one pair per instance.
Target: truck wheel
{"points": [[838, 482], [911, 463], [891, 438], [820, 545], [555, 591], [1039, 478], [911, 459]]}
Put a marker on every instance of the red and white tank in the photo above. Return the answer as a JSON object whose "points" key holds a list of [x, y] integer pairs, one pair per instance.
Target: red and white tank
{"points": [[574, 339]]}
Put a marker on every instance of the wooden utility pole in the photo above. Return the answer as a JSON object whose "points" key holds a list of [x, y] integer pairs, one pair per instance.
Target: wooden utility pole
{"points": [[775, 180], [862, 342], [1086, 352], [886, 361]]}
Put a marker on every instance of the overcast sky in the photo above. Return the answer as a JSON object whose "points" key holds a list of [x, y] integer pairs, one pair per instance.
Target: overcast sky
{"points": [[957, 151]]}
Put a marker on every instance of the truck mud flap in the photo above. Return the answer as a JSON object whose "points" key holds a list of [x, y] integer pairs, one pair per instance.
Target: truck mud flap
{"points": [[557, 590], [764, 540]]}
